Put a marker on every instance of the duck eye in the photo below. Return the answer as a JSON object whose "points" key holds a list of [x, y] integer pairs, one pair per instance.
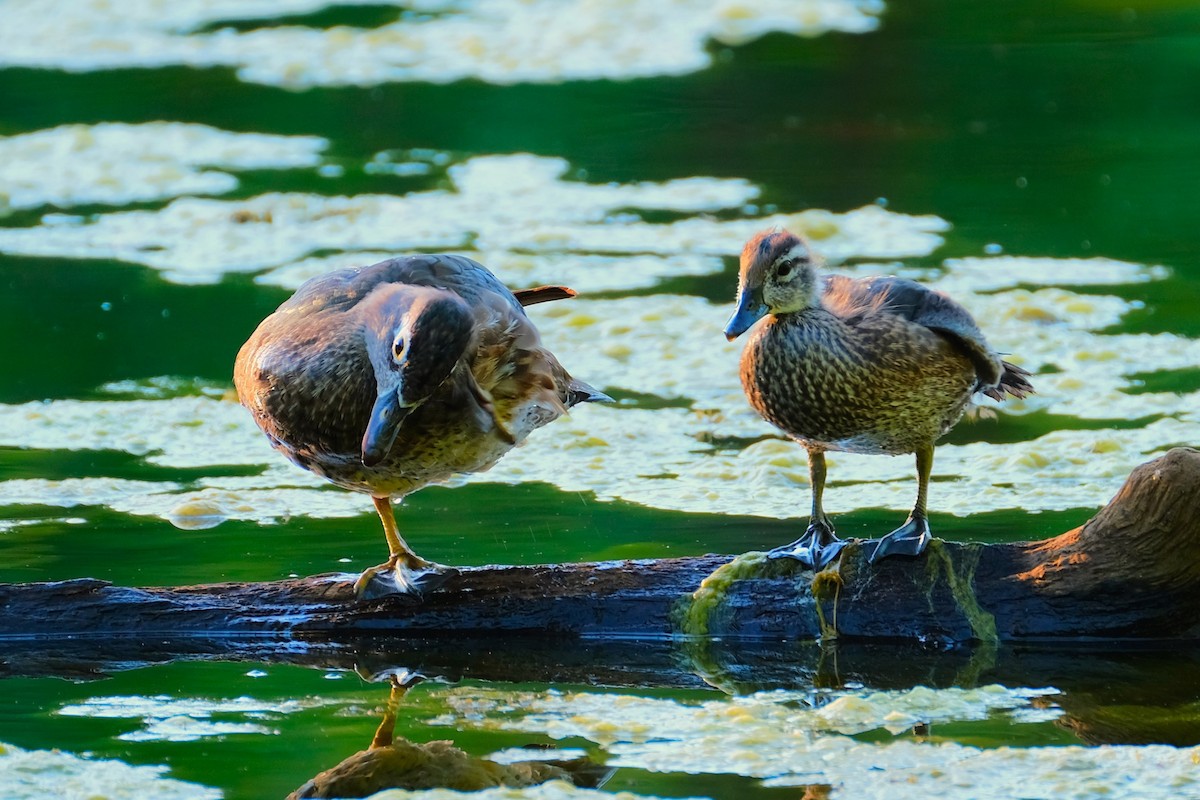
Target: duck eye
{"points": [[398, 348], [784, 269]]}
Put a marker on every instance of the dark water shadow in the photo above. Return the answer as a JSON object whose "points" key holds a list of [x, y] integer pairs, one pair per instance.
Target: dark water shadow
{"points": [[1131, 695]]}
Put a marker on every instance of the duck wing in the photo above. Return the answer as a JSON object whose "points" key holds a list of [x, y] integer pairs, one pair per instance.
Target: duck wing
{"points": [[510, 358], [343, 288], [852, 298]]}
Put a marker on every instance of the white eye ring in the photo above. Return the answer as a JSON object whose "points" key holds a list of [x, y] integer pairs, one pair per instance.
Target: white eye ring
{"points": [[399, 347], [784, 269]]}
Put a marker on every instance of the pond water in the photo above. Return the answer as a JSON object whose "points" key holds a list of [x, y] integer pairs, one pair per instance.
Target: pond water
{"points": [[169, 174]]}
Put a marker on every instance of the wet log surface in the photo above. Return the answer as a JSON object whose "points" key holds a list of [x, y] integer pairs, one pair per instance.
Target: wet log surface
{"points": [[1131, 573]]}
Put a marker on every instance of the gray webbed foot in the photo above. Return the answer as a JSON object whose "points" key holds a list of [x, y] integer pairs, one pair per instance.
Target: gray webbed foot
{"points": [[397, 578], [910, 539], [816, 548]]}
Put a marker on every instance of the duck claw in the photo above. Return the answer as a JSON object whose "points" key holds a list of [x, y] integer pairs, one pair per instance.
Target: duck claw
{"points": [[816, 548], [399, 580], [910, 539]]}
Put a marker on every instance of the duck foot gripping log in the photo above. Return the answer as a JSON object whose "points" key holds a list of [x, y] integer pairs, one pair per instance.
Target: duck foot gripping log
{"points": [[1131, 573]]}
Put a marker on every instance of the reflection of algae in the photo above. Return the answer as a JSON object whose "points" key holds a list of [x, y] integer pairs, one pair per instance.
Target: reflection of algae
{"points": [[960, 578], [693, 613]]}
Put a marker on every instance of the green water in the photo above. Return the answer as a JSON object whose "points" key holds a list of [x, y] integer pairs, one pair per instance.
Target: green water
{"points": [[1067, 129]]}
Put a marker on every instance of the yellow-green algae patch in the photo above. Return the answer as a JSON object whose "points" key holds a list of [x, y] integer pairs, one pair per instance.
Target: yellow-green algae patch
{"points": [[793, 738], [827, 588], [499, 41], [957, 567], [40, 774], [693, 612], [115, 163]]}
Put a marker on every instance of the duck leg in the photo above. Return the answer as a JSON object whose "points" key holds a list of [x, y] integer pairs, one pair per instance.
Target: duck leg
{"points": [[911, 538], [404, 572], [819, 545], [386, 732]]}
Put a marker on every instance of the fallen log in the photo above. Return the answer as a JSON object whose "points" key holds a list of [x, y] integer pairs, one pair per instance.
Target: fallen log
{"points": [[1131, 573]]}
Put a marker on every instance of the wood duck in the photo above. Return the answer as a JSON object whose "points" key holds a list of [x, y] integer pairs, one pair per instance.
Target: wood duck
{"points": [[871, 365], [386, 378]]}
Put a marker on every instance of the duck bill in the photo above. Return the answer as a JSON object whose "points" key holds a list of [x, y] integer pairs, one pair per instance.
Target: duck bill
{"points": [[382, 428], [750, 309]]}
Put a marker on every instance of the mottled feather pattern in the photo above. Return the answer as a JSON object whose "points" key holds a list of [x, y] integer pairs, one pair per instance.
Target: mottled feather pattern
{"points": [[865, 386], [871, 365]]}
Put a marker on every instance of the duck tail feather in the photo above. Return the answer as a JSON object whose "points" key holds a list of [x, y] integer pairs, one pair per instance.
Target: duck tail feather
{"points": [[1014, 382], [543, 294]]}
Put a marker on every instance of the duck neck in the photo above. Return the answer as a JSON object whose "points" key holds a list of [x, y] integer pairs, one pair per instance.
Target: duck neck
{"points": [[811, 315]]}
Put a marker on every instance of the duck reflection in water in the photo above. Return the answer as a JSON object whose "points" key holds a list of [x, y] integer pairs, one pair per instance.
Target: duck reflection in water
{"points": [[393, 762]]}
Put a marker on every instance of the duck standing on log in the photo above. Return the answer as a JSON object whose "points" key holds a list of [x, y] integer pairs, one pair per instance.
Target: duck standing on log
{"points": [[872, 365], [386, 378]]}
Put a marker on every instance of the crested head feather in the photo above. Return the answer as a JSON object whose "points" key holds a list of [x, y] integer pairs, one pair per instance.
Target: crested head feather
{"points": [[766, 248]]}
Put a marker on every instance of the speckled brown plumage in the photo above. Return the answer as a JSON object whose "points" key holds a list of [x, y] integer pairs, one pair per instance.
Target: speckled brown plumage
{"points": [[875, 365], [431, 350]]}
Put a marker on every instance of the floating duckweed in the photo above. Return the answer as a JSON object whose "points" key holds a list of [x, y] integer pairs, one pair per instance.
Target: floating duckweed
{"points": [[792, 739], [37, 774], [175, 719], [989, 274], [517, 212], [768, 715], [608, 451], [487, 40], [116, 164]]}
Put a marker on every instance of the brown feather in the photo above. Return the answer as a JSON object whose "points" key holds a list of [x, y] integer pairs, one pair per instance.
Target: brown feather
{"points": [[543, 294]]}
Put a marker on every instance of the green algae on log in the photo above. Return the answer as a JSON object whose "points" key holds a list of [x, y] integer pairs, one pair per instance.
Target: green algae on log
{"points": [[1131, 573]]}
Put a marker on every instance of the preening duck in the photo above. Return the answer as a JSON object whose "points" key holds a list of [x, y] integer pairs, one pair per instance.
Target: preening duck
{"points": [[386, 378]]}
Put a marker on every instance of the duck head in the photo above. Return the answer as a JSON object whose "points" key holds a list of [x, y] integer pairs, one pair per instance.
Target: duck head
{"points": [[778, 275], [418, 338]]}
